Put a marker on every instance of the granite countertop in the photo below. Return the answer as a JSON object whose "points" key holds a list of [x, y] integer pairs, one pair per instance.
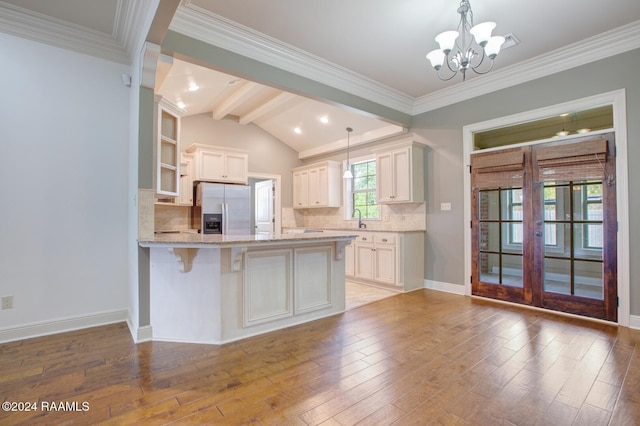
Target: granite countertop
{"points": [[190, 239]]}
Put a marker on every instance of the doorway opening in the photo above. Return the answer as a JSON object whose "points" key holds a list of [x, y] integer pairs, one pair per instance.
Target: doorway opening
{"points": [[265, 203]]}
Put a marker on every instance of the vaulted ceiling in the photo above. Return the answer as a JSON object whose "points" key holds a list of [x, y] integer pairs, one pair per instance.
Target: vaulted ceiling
{"points": [[374, 49]]}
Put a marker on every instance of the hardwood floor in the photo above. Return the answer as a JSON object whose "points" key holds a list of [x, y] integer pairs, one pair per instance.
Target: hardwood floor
{"points": [[419, 358]]}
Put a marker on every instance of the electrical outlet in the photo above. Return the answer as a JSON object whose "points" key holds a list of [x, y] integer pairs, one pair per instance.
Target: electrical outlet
{"points": [[7, 302]]}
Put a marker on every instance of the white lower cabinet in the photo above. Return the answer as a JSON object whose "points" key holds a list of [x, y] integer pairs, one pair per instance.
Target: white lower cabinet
{"points": [[268, 286], [312, 281], [391, 260], [287, 283]]}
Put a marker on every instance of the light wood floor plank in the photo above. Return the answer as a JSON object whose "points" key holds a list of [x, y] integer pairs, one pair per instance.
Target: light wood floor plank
{"points": [[420, 358]]}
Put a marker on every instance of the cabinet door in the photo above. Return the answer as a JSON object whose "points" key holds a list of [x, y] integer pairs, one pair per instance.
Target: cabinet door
{"points": [[236, 168], [364, 261], [401, 175], [301, 189], [211, 165], [385, 264], [318, 187], [384, 177], [350, 259], [394, 176]]}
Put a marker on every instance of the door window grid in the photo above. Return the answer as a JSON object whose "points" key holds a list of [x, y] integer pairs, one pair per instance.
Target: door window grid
{"points": [[576, 270], [364, 195], [500, 262]]}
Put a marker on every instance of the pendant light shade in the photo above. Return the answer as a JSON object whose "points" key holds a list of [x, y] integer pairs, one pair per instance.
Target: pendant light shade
{"points": [[347, 172]]}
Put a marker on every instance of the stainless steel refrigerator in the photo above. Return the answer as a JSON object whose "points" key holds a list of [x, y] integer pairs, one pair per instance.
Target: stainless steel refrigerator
{"points": [[223, 209]]}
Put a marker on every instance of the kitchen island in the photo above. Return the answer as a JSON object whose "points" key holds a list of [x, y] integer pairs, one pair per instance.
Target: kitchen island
{"points": [[221, 288]]}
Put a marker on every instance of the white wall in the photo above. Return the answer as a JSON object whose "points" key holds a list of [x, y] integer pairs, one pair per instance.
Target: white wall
{"points": [[64, 175]]}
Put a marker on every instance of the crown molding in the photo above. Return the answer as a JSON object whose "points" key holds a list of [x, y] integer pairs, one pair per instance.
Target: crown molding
{"points": [[132, 24], [216, 30], [203, 25], [598, 47], [45, 29]]}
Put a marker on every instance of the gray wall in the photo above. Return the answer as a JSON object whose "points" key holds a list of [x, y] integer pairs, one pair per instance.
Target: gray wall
{"points": [[267, 155], [443, 127]]}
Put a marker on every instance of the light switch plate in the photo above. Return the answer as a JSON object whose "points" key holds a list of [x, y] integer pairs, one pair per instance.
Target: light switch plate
{"points": [[445, 206]]}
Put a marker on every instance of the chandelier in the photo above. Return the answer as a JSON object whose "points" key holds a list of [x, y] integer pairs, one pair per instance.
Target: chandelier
{"points": [[467, 48]]}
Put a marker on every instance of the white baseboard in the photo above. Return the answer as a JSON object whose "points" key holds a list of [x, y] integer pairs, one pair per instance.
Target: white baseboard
{"points": [[446, 287], [143, 334], [634, 321], [44, 328], [139, 334]]}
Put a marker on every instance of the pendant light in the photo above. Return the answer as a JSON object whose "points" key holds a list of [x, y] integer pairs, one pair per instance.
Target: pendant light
{"points": [[347, 173]]}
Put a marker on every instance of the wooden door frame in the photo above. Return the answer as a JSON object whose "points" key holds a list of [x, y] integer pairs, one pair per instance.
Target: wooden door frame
{"points": [[618, 100]]}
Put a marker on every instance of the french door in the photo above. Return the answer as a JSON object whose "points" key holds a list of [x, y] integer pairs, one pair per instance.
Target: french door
{"points": [[544, 226]]}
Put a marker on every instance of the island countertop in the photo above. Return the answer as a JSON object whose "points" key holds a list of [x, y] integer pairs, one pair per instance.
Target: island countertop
{"points": [[195, 240]]}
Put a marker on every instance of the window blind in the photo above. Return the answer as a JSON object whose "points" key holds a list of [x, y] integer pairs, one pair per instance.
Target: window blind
{"points": [[574, 161], [503, 169]]}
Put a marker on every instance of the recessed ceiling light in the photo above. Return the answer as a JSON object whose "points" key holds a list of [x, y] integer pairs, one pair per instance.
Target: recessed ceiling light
{"points": [[193, 87], [298, 130], [181, 105], [324, 119]]}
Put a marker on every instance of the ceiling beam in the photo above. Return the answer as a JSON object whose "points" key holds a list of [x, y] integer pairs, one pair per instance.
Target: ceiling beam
{"points": [[267, 107], [243, 94]]}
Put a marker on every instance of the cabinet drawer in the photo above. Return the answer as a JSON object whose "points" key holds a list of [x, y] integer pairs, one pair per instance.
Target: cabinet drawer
{"points": [[365, 238], [384, 239]]}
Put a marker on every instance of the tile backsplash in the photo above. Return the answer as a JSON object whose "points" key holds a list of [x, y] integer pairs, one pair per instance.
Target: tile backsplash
{"points": [[172, 218], [395, 217]]}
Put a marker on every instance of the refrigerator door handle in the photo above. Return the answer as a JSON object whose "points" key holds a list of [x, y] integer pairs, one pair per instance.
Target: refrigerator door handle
{"points": [[225, 216]]}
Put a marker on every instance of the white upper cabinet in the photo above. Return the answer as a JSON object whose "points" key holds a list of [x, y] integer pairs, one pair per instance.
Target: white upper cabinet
{"points": [[400, 174], [317, 185], [167, 148], [301, 189], [217, 164]]}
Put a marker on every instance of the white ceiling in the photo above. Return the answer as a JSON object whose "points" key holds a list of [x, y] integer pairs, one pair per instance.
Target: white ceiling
{"points": [[374, 49]]}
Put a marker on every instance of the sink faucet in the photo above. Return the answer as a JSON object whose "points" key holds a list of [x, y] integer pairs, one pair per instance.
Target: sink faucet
{"points": [[361, 224]]}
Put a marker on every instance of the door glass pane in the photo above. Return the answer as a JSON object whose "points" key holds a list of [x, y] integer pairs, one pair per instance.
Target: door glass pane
{"points": [[512, 270], [489, 237], [557, 276], [562, 203], [488, 205], [489, 266], [587, 241], [512, 238], [588, 278], [562, 235]]}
